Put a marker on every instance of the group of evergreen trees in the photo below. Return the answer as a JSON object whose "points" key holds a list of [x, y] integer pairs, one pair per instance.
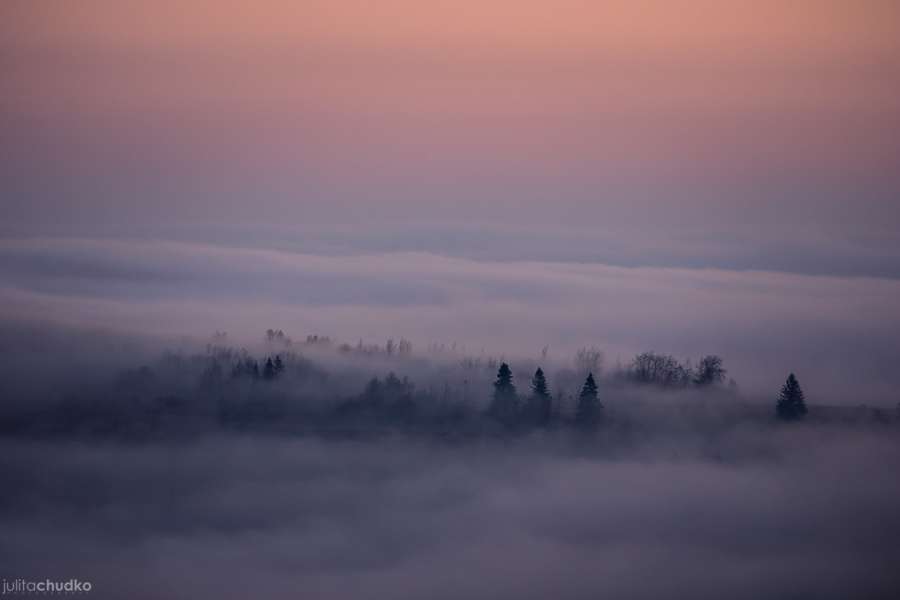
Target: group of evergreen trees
{"points": [[537, 409], [285, 390], [249, 367]]}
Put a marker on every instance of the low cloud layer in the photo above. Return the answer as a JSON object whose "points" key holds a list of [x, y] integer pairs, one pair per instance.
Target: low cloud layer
{"points": [[838, 334], [792, 512]]}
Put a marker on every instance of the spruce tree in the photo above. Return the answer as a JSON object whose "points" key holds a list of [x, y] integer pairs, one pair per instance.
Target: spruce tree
{"points": [[540, 403], [791, 404], [587, 413], [505, 404]]}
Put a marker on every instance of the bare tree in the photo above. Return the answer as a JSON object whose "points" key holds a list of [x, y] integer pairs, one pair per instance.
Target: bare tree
{"points": [[589, 360]]}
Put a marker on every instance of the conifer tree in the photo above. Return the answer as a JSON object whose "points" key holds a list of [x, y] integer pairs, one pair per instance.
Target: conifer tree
{"points": [[791, 404], [587, 413], [539, 403], [505, 403]]}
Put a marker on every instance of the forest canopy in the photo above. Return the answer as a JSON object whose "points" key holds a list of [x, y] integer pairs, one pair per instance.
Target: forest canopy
{"points": [[319, 385]]}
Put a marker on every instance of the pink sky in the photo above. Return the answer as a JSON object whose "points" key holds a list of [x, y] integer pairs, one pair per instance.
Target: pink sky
{"points": [[324, 110]]}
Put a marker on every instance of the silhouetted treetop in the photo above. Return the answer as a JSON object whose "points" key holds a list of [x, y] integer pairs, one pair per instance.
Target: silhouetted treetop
{"points": [[709, 371], [589, 360], [505, 403], [660, 369], [277, 336], [587, 412], [791, 404], [539, 384], [539, 406]]}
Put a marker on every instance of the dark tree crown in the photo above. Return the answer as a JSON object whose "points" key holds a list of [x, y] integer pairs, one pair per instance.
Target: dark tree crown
{"points": [[504, 378], [791, 403], [539, 384], [505, 404], [539, 408], [588, 410], [709, 371], [589, 390]]}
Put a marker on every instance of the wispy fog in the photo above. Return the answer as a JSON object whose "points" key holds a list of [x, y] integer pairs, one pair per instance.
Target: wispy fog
{"points": [[799, 513], [159, 468], [838, 333]]}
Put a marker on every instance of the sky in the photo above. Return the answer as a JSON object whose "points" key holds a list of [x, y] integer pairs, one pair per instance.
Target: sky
{"points": [[640, 175], [707, 114]]}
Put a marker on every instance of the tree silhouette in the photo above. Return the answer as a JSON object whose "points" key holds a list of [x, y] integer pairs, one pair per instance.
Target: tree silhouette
{"points": [[539, 405], [658, 369], [388, 396], [709, 371], [373, 393], [587, 413], [588, 360], [791, 404], [505, 403], [247, 367], [279, 364], [269, 369]]}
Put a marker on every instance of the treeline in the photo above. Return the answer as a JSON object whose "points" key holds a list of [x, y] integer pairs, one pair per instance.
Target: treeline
{"points": [[392, 347], [536, 407], [286, 390], [665, 370]]}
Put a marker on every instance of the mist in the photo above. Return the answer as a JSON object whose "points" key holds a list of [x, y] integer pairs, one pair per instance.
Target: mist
{"points": [[803, 513], [118, 472], [143, 447], [486, 299], [838, 333]]}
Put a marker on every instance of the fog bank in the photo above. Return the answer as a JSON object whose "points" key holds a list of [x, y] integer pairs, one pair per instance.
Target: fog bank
{"points": [[798, 513], [839, 334]]}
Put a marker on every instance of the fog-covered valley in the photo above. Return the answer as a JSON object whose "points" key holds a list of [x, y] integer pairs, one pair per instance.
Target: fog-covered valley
{"points": [[317, 468], [483, 299]]}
